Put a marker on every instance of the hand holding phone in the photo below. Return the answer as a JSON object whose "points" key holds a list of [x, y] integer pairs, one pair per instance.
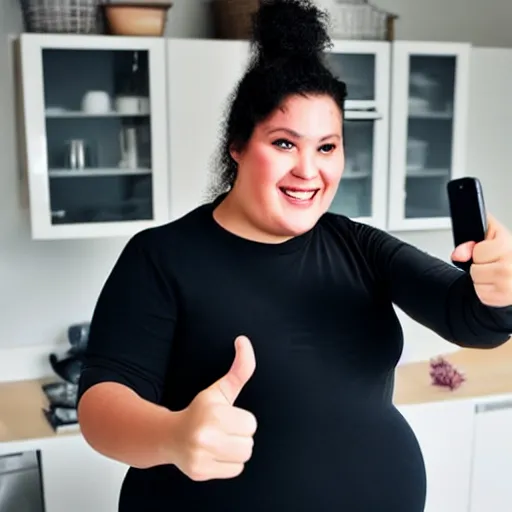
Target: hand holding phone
{"points": [[468, 213]]}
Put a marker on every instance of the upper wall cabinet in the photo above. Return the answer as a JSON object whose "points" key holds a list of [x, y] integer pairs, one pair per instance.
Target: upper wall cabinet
{"points": [[404, 125], [429, 105], [95, 130], [123, 133], [203, 74], [364, 67]]}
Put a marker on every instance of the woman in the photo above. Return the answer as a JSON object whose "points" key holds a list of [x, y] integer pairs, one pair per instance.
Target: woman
{"points": [[298, 415]]}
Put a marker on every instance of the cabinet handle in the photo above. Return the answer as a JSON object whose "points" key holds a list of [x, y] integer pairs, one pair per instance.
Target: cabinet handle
{"points": [[494, 406]]}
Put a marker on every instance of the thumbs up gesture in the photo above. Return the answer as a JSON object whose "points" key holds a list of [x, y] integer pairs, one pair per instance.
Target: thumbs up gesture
{"points": [[214, 438]]}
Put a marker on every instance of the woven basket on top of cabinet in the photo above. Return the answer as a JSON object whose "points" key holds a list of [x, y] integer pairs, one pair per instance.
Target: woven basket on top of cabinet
{"points": [[348, 19], [62, 16], [359, 19]]}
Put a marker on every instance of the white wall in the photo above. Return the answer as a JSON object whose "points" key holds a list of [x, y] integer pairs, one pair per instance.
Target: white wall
{"points": [[483, 23], [45, 286]]}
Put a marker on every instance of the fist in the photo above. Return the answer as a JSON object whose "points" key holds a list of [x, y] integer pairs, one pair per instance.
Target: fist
{"points": [[215, 438], [491, 270]]}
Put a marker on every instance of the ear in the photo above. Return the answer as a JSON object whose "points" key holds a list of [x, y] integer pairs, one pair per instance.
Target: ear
{"points": [[235, 153]]}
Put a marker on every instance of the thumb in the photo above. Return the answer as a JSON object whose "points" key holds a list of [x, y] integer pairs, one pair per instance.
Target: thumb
{"points": [[240, 372], [463, 252]]}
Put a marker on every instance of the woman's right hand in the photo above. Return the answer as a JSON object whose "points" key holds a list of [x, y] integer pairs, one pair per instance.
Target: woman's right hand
{"points": [[213, 439]]}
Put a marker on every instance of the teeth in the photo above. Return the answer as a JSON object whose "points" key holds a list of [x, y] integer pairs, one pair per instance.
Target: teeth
{"points": [[299, 194]]}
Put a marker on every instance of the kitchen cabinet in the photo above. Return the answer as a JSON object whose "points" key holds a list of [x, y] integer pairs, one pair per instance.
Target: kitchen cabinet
{"points": [[123, 133], [429, 104], [95, 134], [77, 478], [73, 476], [492, 457], [202, 74], [400, 152], [364, 67], [444, 431]]}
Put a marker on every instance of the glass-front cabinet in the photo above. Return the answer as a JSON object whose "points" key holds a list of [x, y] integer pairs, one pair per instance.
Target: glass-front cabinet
{"points": [[428, 129], [365, 68], [95, 134]]}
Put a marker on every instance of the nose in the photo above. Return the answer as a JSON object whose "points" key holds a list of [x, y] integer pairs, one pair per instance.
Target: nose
{"points": [[306, 167]]}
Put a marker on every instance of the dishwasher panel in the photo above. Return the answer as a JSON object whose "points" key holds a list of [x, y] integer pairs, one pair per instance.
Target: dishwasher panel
{"points": [[21, 483]]}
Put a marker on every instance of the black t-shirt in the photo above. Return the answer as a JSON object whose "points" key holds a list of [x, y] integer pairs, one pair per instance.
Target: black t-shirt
{"points": [[319, 312]]}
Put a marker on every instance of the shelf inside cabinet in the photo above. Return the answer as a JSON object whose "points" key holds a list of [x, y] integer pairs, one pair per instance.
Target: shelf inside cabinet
{"points": [[361, 115], [368, 105], [76, 173], [77, 114], [356, 175], [428, 173], [431, 115]]}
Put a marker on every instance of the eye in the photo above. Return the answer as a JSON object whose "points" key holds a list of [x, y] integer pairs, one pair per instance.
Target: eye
{"points": [[283, 144], [327, 148]]}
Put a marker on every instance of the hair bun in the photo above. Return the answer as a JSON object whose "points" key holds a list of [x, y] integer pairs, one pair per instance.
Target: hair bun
{"points": [[290, 28]]}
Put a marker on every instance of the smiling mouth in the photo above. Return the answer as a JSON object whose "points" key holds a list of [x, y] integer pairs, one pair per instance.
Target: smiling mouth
{"points": [[299, 195]]}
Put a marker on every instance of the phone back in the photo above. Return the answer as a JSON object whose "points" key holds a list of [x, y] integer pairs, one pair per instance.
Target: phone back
{"points": [[467, 211]]}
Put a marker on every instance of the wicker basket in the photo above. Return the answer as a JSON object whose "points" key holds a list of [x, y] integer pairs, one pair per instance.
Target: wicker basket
{"points": [[62, 16], [358, 19], [349, 19], [233, 18]]}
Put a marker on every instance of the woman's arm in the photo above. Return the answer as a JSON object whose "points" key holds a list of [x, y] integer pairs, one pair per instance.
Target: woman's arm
{"points": [[128, 352], [431, 291], [121, 425]]}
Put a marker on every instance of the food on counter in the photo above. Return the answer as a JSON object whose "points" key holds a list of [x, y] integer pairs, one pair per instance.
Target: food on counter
{"points": [[445, 374]]}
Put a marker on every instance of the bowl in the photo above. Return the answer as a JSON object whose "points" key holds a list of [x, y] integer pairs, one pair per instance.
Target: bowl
{"points": [[137, 18]]}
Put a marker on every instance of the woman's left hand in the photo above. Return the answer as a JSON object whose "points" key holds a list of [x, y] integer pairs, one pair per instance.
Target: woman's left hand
{"points": [[491, 270]]}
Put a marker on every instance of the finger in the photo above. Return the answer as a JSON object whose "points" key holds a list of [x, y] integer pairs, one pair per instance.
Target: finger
{"points": [[488, 251], [494, 227], [223, 470], [238, 422], [483, 273], [463, 252], [234, 449], [240, 372]]}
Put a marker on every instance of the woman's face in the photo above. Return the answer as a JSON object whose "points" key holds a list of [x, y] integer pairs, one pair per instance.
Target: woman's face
{"points": [[289, 171]]}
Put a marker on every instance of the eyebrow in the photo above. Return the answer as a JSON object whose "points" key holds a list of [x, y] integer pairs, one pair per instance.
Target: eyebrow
{"points": [[297, 135]]}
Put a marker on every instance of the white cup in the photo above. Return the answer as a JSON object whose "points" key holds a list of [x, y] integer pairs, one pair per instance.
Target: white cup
{"points": [[96, 102], [132, 105]]}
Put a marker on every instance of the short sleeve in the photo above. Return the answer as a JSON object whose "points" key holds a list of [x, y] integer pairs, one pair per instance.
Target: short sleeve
{"points": [[133, 323]]}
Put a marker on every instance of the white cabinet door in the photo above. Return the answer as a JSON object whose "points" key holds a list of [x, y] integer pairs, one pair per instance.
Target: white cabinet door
{"points": [[95, 134], [491, 488], [78, 479], [202, 74], [445, 434], [364, 67], [429, 109]]}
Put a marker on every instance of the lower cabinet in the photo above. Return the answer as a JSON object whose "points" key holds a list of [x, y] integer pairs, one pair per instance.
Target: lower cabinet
{"points": [[78, 479], [445, 433], [491, 486], [466, 446]]}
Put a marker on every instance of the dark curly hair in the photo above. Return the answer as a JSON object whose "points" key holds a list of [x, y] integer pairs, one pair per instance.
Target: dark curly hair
{"points": [[288, 44]]}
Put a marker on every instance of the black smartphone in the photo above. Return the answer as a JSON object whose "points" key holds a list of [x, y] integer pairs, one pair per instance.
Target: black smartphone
{"points": [[467, 212]]}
